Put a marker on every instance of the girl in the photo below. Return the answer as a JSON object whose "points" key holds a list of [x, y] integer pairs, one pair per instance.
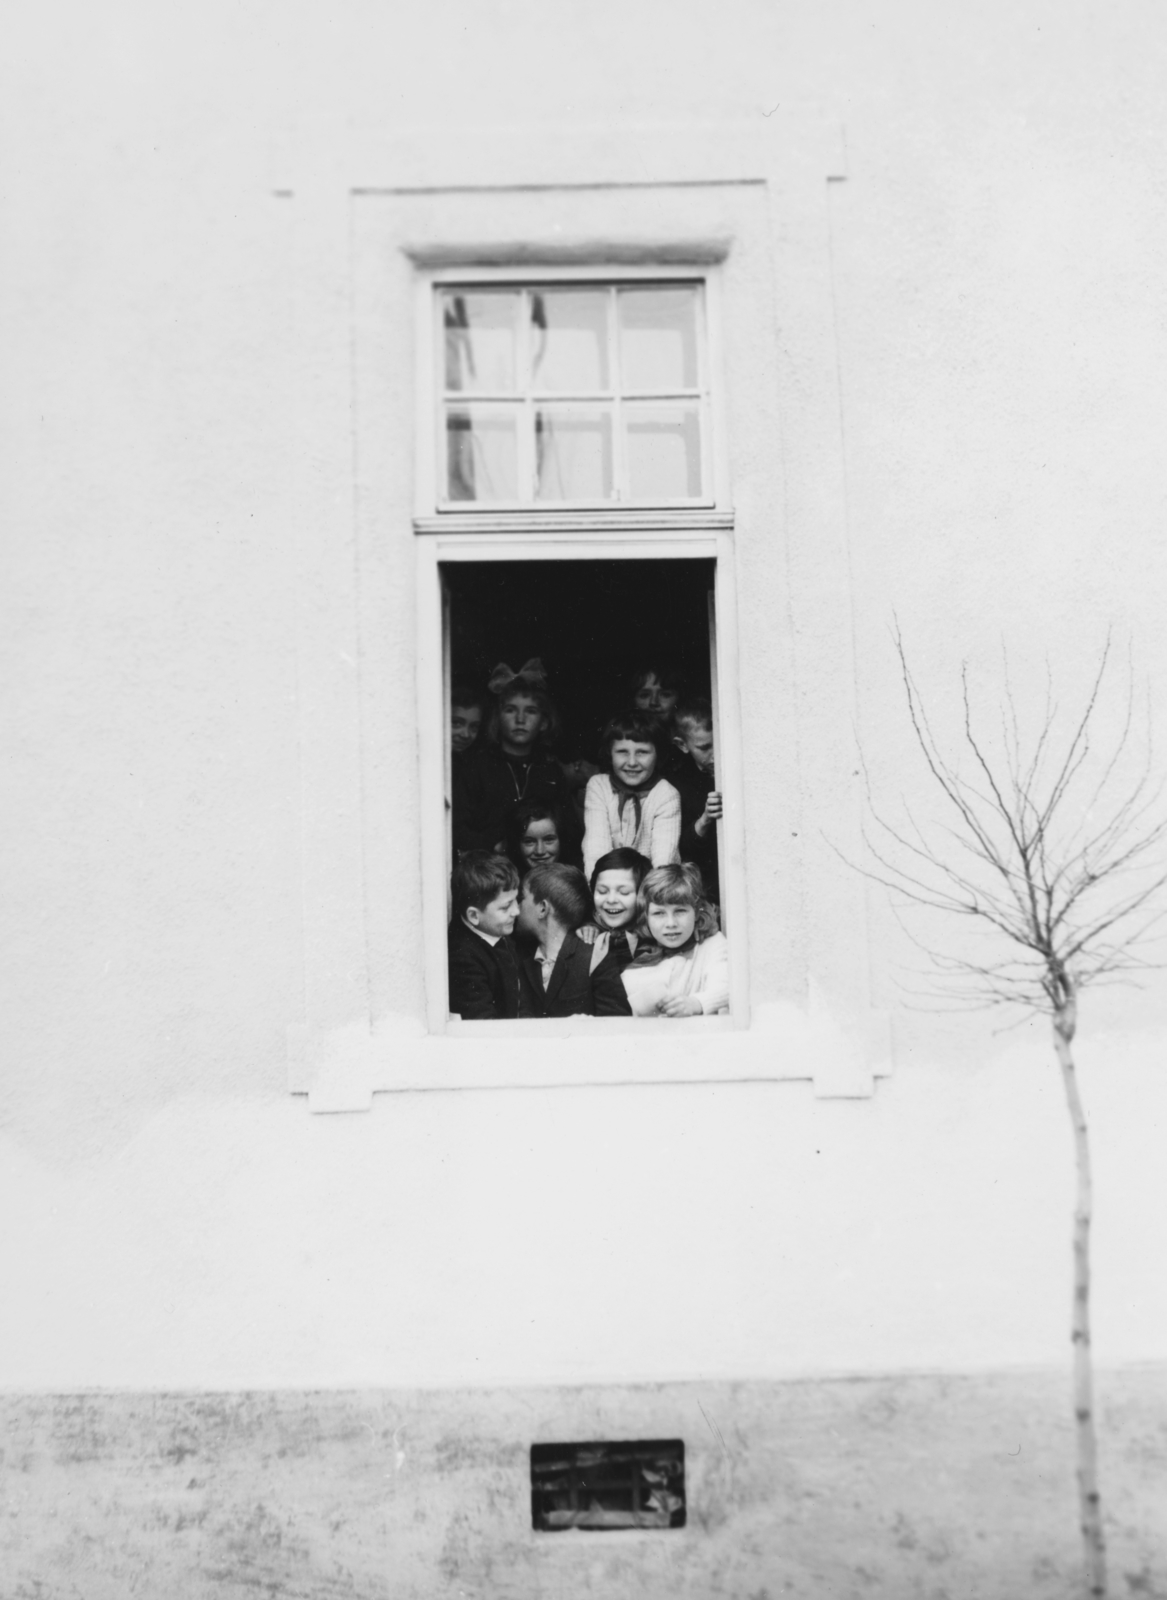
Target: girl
{"points": [[536, 836], [515, 762], [682, 969], [615, 880], [631, 803]]}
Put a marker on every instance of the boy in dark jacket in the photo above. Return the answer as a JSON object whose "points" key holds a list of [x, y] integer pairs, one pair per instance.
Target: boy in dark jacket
{"points": [[485, 982], [558, 976]]}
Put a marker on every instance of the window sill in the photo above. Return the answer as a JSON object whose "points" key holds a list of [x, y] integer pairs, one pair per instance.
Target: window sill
{"points": [[342, 1070], [702, 519]]}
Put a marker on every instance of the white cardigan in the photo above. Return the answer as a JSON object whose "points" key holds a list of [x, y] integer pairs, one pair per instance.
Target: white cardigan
{"points": [[658, 836], [701, 974]]}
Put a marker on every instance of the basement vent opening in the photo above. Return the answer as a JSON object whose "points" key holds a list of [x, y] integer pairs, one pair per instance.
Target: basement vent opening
{"points": [[608, 1484]]}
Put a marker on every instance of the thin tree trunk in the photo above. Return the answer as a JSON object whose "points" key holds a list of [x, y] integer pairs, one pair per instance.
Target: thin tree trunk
{"points": [[1089, 1503]]}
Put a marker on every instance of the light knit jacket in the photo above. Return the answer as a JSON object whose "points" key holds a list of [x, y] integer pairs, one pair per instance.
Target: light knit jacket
{"points": [[658, 836], [701, 973]]}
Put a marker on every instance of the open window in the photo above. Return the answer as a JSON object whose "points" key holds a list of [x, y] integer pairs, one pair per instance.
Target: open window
{"points": [[597, 628], [572, 510]]}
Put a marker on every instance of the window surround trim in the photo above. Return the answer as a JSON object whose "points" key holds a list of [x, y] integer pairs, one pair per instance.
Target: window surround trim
{"points": [[358, 246]]}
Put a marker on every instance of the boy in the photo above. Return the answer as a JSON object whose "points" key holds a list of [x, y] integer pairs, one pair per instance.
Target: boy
{"points": [[484, 971], [557, 976], [467, 709], [694, 779]]}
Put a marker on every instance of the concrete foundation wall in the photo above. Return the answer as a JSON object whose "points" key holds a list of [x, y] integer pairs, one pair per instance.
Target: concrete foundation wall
{"points": [[916, 1488]]}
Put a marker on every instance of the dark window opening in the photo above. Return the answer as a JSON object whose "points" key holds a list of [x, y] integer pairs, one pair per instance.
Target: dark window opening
{"points": [[541, 656], [608, 1484], [591, 623]]}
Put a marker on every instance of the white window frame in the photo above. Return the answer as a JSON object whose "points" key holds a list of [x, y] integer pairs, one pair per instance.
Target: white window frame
{"points": [[438, 549], [683, 531], [430, 439]]}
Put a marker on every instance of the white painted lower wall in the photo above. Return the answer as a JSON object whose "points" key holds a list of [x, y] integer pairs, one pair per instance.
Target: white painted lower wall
{"points": [[657, 1233]]}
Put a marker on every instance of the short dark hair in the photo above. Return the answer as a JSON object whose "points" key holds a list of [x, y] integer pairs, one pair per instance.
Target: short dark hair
{"points": [[635, 725], [564, 888], [694, 709], [667, 673], [480, 877], [520, 820], [621, 859], [465, 696]]}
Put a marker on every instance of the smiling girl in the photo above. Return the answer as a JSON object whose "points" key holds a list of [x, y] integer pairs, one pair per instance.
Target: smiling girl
{"points": [[615, 881], [682, 968], [538, 834], [630, 804]]}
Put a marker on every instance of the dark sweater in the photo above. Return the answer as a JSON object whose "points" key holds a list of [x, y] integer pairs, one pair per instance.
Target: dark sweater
{"points": [[487, 786]]}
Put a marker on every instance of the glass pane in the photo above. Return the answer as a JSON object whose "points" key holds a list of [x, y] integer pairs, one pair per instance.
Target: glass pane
{"points": [[573, 453], [663, 445], [480, 340], [658, 337], [569, 340], [482, 457]]}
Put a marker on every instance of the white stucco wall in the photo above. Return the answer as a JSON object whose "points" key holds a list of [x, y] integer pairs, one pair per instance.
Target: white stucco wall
{"points": [[176, 411]]}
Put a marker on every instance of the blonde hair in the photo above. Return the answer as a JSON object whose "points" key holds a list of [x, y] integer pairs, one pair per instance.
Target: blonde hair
{"points": [[678, 884]]}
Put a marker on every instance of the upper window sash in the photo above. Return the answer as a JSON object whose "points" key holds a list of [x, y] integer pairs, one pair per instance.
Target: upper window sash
{"points": [[569, 393]]}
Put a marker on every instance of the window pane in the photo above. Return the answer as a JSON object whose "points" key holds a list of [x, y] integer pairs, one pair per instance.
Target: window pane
{"points": [[663, 445], [573, 453], [480, 340], [569, 340], [658, 338], [482, 460]]}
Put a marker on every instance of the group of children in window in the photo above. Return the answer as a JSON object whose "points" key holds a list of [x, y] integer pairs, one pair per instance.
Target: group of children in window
{"points": [[584, 889]]}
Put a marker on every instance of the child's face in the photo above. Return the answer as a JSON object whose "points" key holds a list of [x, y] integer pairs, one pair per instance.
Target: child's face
{"points": [[615, 898], [540, 843], [520, 721], [654, 699], [697, 742], [632, 762], [465, 722], [671, 926], [497, 916]]}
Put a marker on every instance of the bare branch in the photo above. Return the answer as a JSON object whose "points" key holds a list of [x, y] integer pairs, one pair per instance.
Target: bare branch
{"points": [[1025, 853]]}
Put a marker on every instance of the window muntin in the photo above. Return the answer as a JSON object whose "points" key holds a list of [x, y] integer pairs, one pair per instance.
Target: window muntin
{"points": [[572, 394]]}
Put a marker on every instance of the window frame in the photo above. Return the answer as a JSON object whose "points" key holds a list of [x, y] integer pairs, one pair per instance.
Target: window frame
{"points": [[442, 548], [560, 531], [429, 502]]}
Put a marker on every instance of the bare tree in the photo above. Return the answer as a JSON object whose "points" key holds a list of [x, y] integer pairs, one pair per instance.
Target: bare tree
{"points": [[1053, 851]]}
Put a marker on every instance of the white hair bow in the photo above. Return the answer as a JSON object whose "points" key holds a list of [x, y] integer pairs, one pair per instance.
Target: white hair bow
{"points": [[531, 673]]}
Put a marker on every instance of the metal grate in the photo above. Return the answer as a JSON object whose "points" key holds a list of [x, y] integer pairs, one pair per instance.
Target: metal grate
{"points": [[608, 1484]]}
